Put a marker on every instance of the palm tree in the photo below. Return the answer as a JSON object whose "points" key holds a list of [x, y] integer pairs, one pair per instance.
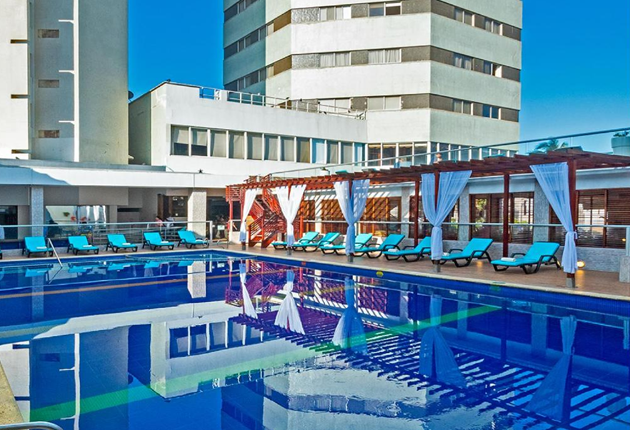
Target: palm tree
{"points": [[550, 145]]}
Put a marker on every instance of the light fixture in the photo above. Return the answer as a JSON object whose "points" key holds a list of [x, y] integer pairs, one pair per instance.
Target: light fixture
{"points": [[581, 264]]}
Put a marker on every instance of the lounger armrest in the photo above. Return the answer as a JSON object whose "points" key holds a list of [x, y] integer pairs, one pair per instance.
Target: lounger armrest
{"points": [[477, 253], [514, 254], [388, 247], [409, 247], [455, 249]]}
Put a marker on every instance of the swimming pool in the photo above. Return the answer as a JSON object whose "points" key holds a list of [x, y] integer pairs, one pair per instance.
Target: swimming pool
{"points": [[171, 342]]}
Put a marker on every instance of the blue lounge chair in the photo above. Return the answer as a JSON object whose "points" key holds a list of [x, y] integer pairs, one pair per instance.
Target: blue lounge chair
{"points": [[118, 241], [189, 239], [361, 241], [327, 239], [77, 244], [476, 248], [391, 242], [154, 241], [411, 253], [36, 245], [306, 238], [538, 254]]}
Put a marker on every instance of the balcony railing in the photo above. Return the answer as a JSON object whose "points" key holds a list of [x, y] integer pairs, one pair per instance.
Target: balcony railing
{"points": [[278, 103]]}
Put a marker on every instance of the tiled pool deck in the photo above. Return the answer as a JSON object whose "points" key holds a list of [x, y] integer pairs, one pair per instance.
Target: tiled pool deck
{"points": [[590, 283]]}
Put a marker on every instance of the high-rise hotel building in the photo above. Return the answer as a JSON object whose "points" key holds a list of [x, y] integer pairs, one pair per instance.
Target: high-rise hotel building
{"points": [[63, 80], [433, 75]]}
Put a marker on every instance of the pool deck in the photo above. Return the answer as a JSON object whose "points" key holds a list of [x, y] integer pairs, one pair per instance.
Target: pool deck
{"points": [[588, 283]]}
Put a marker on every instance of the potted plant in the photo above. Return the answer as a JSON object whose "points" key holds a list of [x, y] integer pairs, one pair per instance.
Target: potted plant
{"points": [[621, 143]]}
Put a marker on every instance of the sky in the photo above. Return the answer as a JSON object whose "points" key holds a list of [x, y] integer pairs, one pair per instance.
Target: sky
{"points": [[576, 58]]}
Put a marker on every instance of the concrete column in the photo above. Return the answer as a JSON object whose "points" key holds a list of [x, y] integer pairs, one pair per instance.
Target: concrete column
{"points": [[464, 214], [36, 202], [541, 214], [197, 201], [112, 213], [318, 214], [405, 192]]}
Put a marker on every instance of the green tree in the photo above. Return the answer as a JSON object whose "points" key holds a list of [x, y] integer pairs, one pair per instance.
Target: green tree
{"points": [[550, 145]]}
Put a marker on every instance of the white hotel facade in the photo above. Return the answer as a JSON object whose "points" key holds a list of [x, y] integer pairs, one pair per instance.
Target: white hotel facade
{"points": [[433, 75], [332, 82]]}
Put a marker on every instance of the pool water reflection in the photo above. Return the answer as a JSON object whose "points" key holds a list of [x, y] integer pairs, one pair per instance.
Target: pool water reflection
{"points": [[214, 341]]}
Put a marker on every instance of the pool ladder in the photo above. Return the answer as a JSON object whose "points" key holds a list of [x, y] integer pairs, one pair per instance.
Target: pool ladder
{"points": [[36, 425], [58, 260]]}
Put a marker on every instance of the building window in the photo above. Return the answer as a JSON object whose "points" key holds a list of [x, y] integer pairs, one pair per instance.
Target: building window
{"points": [[175, 206], [334, 13], [384, 103], [48, 83], [490, 112], [254, 146], [48, 33], [236, 145], [288, 148], [180, 140], [334, 59], [217, 143], [420, 153], [377, 9], [199, 142], [405, 152], [346, 152], [359, 152], [332, 151], [461, 106], [303, 150], [383, 56], [493, 26], [393, 9], [271, 147], [374, 154], [48, 134], [464, 16], [389, 154], [491, 69], [462, 61]]}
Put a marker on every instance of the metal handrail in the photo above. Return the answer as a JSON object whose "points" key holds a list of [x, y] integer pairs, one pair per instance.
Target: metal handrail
{"points": [[55, 252], [369, 164], [41, 425]]}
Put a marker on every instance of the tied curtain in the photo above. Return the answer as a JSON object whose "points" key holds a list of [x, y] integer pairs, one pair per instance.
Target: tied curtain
{"points": [[290, 204], [549, 398], [451, 186], [436, 357], [554, 180], [349, 333], [250, 197], [288, 316], [248, 306], [352, 206]]}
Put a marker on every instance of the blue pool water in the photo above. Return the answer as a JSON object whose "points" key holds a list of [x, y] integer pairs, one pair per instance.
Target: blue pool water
{"points": [[167, 343]]}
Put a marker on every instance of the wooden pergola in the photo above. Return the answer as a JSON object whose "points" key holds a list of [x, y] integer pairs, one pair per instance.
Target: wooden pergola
{"points": [[576, 158]]}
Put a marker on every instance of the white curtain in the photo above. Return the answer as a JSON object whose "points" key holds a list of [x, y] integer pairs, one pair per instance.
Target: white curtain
{"points": [[436, 357], [248, 306], [290, 204], [549, 398], [349, 332], [352, 208], [288, 315], [250, 197], [554, 180], [451, 186]]}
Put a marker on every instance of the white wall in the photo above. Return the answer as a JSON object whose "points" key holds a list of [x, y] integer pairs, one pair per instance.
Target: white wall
{"points": [[181, 105], [14, 72]]}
